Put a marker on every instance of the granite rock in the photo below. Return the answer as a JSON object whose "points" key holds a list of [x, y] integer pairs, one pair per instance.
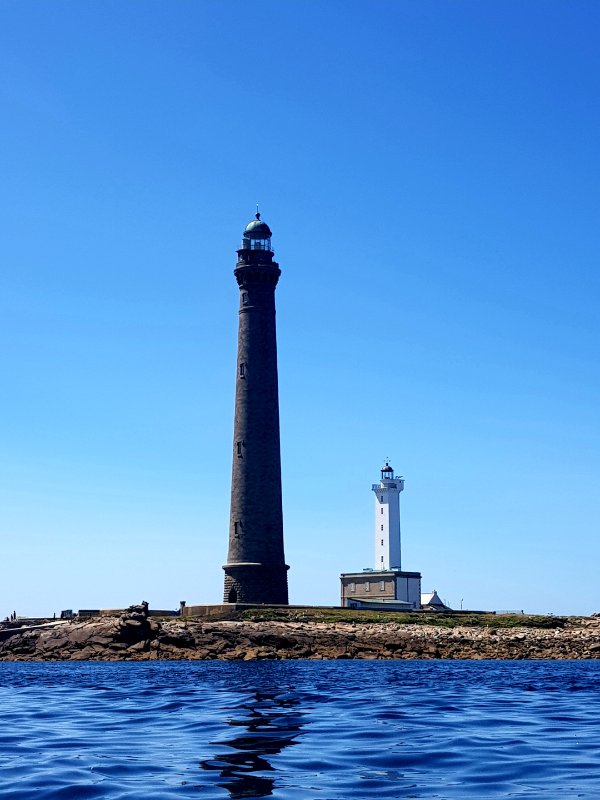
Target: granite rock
{"points": [[133, 636]]}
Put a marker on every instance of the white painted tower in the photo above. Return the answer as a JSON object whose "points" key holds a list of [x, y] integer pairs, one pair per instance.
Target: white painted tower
{"points": [[387, 520]]}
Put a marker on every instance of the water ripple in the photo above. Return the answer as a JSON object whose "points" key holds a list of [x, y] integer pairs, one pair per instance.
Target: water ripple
{"points": [[300, 730]]}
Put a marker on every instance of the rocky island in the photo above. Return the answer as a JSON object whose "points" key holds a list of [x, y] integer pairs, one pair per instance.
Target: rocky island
{"points": [[267, 633]]}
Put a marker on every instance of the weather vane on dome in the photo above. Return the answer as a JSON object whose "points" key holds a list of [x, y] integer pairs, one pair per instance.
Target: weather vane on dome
{"points": [[257, 212]]}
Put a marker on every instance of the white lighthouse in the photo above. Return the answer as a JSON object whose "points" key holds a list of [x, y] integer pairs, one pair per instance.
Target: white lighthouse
{"points": [[387, 520], [386, 586]]}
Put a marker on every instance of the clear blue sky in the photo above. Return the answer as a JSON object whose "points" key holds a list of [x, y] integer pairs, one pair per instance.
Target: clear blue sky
{"points": [[430, 171]]}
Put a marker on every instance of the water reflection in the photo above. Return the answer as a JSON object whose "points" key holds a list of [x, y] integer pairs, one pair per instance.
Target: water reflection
{"points": [[270, 724]]}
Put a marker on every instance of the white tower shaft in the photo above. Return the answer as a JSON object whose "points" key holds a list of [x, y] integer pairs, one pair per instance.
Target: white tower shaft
{"points": [[387, 520]]}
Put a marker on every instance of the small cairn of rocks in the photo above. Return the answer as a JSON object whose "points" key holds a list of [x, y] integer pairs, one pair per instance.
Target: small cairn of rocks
{"points": [[134, 626]]}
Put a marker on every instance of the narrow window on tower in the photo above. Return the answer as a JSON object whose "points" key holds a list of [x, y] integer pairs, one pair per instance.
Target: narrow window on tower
{"points": [[367, 586], [382, 542], [242, 370], [382, 586], [382, 510], [352, 587], [381, 526], [244, 298], [382, 498], [240, 454], [382, 559], [237, 526]]}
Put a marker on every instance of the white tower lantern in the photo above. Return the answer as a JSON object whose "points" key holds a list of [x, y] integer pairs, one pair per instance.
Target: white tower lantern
{"points": [[387, 520]]}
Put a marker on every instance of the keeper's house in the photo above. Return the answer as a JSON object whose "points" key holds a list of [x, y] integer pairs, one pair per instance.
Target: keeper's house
{"points": [[382, 590]]}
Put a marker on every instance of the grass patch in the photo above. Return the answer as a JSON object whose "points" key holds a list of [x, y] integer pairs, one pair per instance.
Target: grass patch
{"points": [[441, 620]]}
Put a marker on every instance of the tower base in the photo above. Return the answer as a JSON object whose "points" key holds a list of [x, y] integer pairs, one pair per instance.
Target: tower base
{"points": [[256, 583]]}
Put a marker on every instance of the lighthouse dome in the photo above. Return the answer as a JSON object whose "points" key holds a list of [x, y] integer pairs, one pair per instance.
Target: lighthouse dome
{"points": [[257, 229]]}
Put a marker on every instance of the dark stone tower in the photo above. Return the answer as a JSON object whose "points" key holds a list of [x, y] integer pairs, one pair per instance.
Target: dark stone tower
{"points": [[256, 571]]}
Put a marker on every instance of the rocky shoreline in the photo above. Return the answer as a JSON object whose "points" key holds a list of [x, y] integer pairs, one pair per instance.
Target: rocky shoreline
{"points": [[133, 636]]}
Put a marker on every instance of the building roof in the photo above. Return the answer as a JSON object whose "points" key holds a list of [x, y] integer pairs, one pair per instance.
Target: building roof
{"points": [[381, 601], [433, 600], [380, 573]]}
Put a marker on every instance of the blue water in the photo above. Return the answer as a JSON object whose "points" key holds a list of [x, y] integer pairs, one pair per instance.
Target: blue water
{"points": [[310, 730]]}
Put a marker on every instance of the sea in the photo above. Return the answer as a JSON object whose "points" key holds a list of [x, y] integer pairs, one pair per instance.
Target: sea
{"points": [[300, 730]]}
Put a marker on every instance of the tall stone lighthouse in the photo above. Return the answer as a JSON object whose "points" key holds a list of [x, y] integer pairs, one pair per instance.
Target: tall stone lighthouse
{"points": [[256, 571]]}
